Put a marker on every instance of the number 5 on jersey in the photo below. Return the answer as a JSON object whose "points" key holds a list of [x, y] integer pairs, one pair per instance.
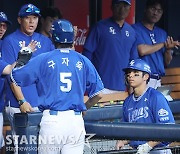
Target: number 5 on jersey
{"points": [[65, 78]]}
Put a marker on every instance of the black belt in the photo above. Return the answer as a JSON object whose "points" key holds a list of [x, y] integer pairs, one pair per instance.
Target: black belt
{"points": [[154, 76]]}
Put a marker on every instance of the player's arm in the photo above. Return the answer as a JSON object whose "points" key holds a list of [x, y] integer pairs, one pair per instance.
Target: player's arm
{"points": [[92, 101], [144, 49], [147, 147], [169, 44], [23, 57], [24, 105], [7, 70]]}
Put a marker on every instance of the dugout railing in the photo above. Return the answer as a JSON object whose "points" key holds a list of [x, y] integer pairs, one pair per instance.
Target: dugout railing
{"points": [[104, 123]]}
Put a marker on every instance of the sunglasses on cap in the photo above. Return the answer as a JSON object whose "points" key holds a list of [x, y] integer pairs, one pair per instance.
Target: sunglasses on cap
{"points": [[32, 9]]}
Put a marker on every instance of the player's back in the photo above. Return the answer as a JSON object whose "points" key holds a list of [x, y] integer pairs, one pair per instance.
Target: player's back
{"points": [[64, 75]]}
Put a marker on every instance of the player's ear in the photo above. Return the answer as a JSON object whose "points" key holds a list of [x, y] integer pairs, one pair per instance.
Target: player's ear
{"points": [[19, 20], [146, 76]]}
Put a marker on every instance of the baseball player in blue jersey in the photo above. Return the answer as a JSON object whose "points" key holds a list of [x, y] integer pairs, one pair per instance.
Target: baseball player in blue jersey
{"points": [[4, 23], [5, 69], [24, 99], [144, 105], [110, 45], [62, 76], [154, 46]]}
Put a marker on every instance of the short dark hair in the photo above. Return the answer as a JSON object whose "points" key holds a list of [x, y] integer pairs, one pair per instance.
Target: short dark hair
{"points": [[150, 3], [51, 12], [63, 45]]}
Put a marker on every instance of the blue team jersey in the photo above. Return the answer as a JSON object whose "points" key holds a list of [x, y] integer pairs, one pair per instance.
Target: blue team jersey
{"points": [[151, 37], [110, 48], [3, 64], [10, 48], [62, 77], [151, 107]]}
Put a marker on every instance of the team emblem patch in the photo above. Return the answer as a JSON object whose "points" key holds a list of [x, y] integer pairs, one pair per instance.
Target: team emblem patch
{"points": [[163, 112]]}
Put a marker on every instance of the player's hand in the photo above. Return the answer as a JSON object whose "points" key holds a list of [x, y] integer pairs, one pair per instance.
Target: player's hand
{"points": [[84, 113], [25, 53], [170, 43], [144, 149], [120, 144], [32, 45], [26, 107]]}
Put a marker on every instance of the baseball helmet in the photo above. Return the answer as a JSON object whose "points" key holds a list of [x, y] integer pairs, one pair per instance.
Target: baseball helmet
{"points": [[62, 31], [29, 9], [138, 64], [3, 18]]}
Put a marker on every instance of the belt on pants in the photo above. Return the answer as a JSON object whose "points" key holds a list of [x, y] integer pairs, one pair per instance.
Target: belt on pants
{"points": [[52, 112], [155, 76]]}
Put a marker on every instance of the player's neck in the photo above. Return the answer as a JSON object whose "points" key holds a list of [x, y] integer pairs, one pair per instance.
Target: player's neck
{"points": [[138, 91], [148, 25]]}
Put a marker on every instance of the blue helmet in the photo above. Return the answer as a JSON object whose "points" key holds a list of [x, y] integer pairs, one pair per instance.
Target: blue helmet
{"points": [[140, 65], [62, 31]]}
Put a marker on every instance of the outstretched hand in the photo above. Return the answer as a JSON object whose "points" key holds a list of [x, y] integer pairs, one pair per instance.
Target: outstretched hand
{"points": [[25, 53], [31, 46]]}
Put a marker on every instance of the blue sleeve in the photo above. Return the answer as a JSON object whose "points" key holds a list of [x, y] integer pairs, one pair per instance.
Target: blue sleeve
{"points": [[161, 110], [3, 64], [28, 74], [91, 42], [134, 52], [93, 83], [124, 109], [8, 53]]}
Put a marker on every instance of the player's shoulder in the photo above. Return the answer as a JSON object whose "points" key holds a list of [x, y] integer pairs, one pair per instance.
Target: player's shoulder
{"points": [[159, 30], [41, 37], [153, 93], [128, 27], [11, 36], [104, 23]]}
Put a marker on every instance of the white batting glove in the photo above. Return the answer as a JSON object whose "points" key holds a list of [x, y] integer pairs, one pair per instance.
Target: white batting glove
{"points": [[26, 50], [144, 149]]}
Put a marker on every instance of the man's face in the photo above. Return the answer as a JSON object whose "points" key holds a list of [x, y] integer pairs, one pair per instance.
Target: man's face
{"points": [[3, 28], [47, 24], [135, 78], [120, 10], [28, 24], [154, 13]]}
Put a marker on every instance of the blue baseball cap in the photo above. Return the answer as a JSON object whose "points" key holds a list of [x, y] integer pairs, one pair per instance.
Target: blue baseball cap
{"points": [[29, 9], [3, 18], [117, 1]]}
